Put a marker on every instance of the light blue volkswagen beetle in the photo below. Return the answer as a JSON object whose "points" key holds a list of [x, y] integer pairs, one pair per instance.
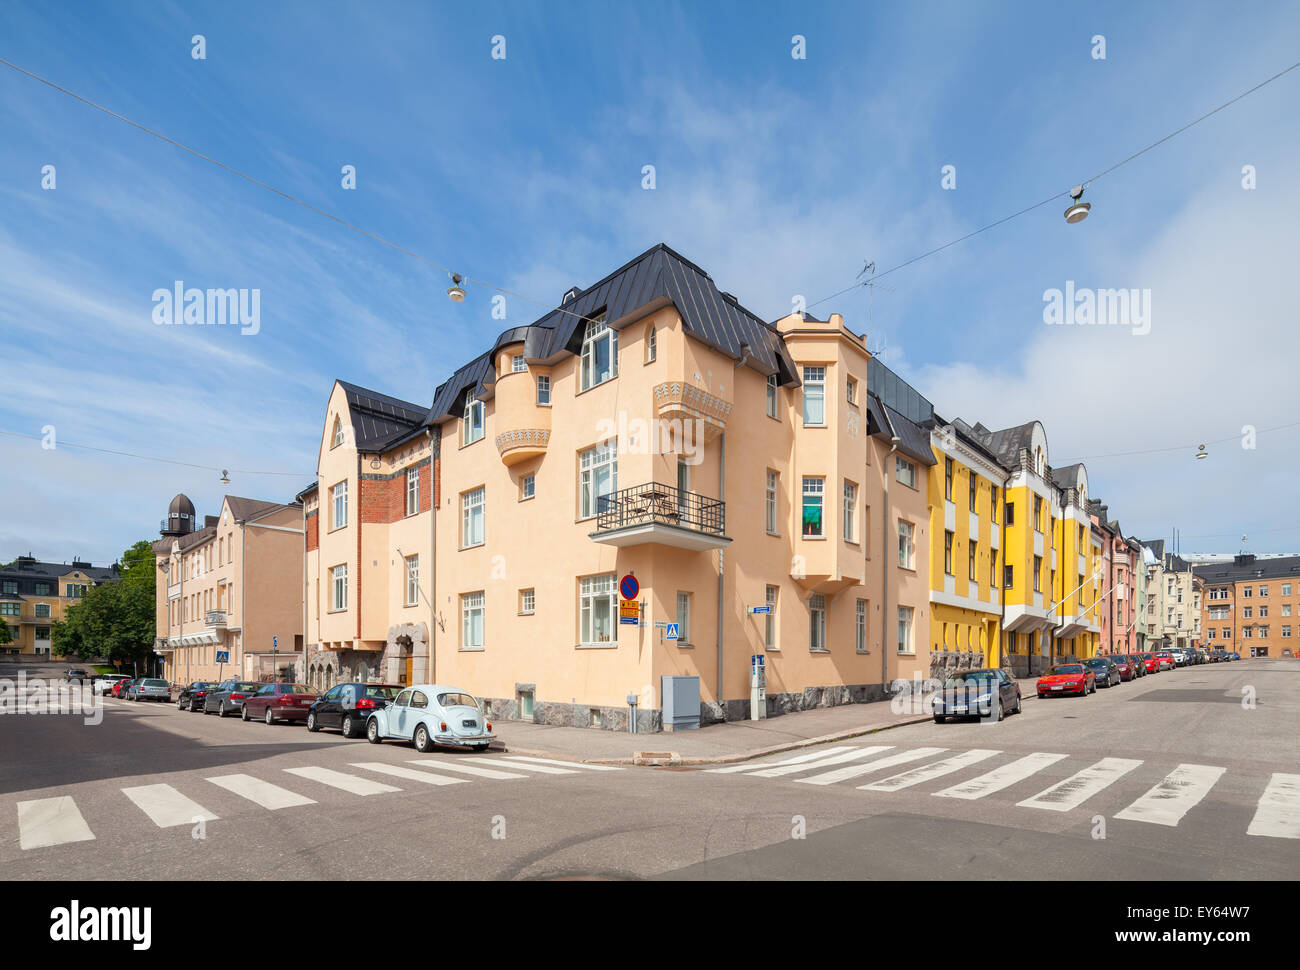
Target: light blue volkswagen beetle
{"points": [[430, 714]]}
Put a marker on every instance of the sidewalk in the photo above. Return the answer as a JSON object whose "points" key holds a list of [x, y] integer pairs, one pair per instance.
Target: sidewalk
{"points": [[716, 744]]}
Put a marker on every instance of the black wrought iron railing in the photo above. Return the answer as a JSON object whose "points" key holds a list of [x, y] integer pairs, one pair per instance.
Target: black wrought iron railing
{"points": [[664, 504]]}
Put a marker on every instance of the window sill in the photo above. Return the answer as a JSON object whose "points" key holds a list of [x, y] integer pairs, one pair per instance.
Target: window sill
{"points": [[526, 613], [328, 532], [477, 545], [813, 538], [819, 650], [467, 444], [471, 650], [595, 646]]}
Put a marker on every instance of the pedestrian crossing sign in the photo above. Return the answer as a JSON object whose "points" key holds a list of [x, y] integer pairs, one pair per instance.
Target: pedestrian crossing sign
{"points": [[672, 632]]}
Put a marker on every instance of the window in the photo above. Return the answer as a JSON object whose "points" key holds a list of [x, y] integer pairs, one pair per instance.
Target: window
{"points": [[544, 390], [527, 487], [598, 610], [1011, 513], [1286, 609], [517, 364], [905, 630], [527, 601], [1247, 612], [11, 586], [771, 396], [947, 479], [1286, 589], [993, 504], [769, 631], [683, 618], [813, 493], [1247, 632], [472, 515], [906, 544], [412, 491], [651, 344], [598, 476], [1263, 612], [599, 354], [860, 626], [471, 621], [42, 611], [947, 553], [339, 493], [972, 489], [42, 633], [10, 609], [993, 570], [340, 594], [971, 548], [852, 391], [1209, 634], [683, 475], [339, 433], [1038, 513], [1286, 630], [1263, 590], [472, 421], [1038, 574], [817, 622], [769, 502], [814, 397], [412, 580], [1246, 591], [850, 508], [1263, 630], [905, 472]]}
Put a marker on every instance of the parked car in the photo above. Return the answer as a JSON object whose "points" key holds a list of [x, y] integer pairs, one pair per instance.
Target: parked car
{"points": [[149, 689], [186, 700], [279, 702], [74, 673], [1165, 660], [1234, 655], [117, 689], [988, 692], [1104, 670], [1126, 667], [1067, 679], [430, 714], [104, 684], [1150, 662], [1179, 656], [1139, 665], [228, 696], [347, 706]]}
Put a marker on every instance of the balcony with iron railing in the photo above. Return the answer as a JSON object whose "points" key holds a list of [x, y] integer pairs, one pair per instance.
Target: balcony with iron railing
{"points": [[654, 513]]}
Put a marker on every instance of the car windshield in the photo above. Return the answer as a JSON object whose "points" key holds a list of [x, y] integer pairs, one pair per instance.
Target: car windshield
{"points": [[975, 677], [457, 699], [1067, 669], [246, 687], [294, 689], [381, 692], [155, 683]]}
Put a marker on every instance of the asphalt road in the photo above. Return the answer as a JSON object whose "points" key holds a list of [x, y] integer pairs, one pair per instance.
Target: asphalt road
{"points": [[1169, 777]]}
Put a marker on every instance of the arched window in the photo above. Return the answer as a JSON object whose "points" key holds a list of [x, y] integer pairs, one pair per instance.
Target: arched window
{"points": [[338, 432]]}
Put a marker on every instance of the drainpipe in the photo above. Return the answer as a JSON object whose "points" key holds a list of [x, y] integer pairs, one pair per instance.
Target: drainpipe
{"points": [[884, 564], [722, 556], [433, 564]]}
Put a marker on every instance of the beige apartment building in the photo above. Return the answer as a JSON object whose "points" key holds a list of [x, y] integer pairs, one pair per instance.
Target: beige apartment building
{"points": [[229, 599], [763, 500], [1174, 597], [1252, 606]]}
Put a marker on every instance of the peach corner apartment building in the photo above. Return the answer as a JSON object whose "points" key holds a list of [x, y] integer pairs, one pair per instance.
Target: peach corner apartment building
{"points": [[229, 586], [649, 426]]}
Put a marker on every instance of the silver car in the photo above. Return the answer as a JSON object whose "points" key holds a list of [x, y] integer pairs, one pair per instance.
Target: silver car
{"points": [[429, 714], [149, 689]]}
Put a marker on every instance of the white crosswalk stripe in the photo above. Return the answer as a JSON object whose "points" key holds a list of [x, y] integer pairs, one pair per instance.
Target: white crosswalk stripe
{"points": [[261, 792], [855, 771], [1002, 777], [835, 759], [754, 766], [582, 765], [925, 773], [1278, 812], [474, 769], [397, 771], [166, 806], [1176, 794], [51, 821], [340, 779], [545, 768], [1079, 787]]}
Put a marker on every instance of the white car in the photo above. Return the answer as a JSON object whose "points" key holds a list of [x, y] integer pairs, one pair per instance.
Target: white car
{"points": [[429, 714], [104, 684]]}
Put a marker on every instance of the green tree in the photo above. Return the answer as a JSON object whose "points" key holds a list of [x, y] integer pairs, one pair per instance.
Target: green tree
{"points": [[6, 635], [114, 620]]}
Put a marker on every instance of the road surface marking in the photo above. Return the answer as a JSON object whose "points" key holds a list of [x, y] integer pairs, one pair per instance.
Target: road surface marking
{"points": [[1002, 777], [51, 821], [1178, 792], [566, 764], [467, 769], [261, 792], [926, 772], [835, 759], [1278, 814], [397, 771], [853, 771], [1079, 787], [338, 779], [544, 768], [166, 806], [799, 759]]}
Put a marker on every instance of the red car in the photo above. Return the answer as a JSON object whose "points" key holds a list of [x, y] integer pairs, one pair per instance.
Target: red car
{"points": [[1067, 679], [1126, 669], [1152, 664], [119, 689], [1165, 660], [279, 702]]}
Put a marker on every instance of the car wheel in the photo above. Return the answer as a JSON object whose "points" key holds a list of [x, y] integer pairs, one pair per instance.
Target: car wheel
{"points": [[180, 705], [1019, 705], [939, 719], [372, 731], [311, 721], [221, 708], [423, 742], [346, 726], [270, 715], [997, 713], [244, 712]]}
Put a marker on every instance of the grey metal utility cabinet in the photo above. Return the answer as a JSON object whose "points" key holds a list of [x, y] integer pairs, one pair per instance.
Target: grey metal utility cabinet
{"points": [[681, 703]]}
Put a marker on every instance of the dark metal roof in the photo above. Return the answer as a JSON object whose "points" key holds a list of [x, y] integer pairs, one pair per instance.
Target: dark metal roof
{"points": [[1249, 568], [914, 440], [25, 567], [378, 418], [658, 277], [896, 393]]}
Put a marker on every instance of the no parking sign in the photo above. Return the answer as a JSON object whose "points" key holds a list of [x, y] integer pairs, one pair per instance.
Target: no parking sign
{"points": [[628, 587]]}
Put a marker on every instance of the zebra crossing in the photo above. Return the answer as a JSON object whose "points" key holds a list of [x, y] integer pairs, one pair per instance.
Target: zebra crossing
{"points": [[46, 822], [1276, 812]]}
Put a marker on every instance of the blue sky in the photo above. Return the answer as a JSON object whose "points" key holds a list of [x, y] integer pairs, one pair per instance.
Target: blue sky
{"points": [[778, 176]]}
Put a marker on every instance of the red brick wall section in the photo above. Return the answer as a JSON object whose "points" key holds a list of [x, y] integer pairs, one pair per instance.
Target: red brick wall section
{"points": [[383, 501], [313, 531]]}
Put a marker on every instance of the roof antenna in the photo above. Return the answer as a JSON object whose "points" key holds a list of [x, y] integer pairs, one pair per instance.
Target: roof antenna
{"points": [[869, 270]]}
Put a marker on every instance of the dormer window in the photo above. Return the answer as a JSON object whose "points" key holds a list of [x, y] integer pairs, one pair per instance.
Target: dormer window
{"points": [[517, 364], [338, 432], [472, 422], [599, 354]]}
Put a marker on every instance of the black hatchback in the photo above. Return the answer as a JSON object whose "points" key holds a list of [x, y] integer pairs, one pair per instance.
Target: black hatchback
{"points": [[346, 706], [1104, 671], [191, 698]]}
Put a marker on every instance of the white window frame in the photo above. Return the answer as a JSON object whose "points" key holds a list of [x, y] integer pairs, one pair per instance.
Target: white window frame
{"points": [[851, 390], [771, 402], [472, 604], [651, 344], [683, 618], [860, 626], [517, 364], [473, 421], [813, 486], [339, 505], [527, 487], [340, 434], [595, 593], [473, 511], [770, 596], [817, 623], [527, 601], [413, 580], [339, 588], [770, 493], [814, 392], [590, 462], [902, 465], [850, 526], [906, 544], [906, 630], [543, 390], [597, 331], [412, 490]]}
